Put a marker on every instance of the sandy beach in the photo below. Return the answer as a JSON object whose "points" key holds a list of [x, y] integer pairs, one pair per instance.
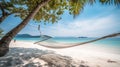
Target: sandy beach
{"points": [[59, 33], [89, 54]]}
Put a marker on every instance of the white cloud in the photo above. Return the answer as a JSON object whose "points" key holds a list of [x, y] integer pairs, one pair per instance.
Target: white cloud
{"points": [[91, 27]]}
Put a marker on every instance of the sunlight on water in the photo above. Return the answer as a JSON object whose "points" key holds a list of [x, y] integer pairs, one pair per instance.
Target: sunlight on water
{"points": [[106, 42]]}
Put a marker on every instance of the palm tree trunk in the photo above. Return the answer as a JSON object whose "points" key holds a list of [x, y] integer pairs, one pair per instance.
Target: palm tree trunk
{"points": [[4, 42]]}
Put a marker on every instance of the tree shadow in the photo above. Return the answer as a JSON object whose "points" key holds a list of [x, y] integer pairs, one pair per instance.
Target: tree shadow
{"points": [[16, 57]]}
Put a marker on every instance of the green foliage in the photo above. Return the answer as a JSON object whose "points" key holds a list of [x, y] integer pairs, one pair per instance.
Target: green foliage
{"points": [[52, 11], [76, 6], [115, 2], [12, 6]]}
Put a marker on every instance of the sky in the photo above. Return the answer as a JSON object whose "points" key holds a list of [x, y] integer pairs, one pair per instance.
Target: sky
{"points": [[94, 21]]}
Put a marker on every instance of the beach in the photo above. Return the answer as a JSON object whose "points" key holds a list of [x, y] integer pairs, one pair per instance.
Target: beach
{"points": [[88, 54], [59, 33]]}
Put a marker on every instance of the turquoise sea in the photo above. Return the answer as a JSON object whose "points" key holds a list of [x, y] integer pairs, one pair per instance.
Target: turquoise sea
{"points": [[112, 42]]}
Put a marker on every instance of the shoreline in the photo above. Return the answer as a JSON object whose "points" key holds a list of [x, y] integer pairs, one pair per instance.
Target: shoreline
{"points": [[91, 54]]}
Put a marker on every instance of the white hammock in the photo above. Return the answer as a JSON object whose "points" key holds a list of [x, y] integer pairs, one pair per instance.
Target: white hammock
{"points": [[58, 45]]}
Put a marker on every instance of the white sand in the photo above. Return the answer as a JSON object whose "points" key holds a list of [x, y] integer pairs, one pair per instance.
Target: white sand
{"points": [[92, 55]]}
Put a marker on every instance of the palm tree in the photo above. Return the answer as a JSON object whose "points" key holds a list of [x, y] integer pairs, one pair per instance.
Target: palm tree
{"points": [[74, 6], [8, 7], [4, 42]]}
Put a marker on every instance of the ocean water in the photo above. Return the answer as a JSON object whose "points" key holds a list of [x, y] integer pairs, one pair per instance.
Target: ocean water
{"points": [[112, 42]]}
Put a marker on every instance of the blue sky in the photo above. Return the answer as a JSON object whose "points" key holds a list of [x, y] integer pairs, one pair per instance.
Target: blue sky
{"points": [[94, 21]]}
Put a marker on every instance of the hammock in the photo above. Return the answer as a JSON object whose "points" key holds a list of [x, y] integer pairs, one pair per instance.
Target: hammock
{"points": [[43, 37], [46, 42], [54, 44], [57, 45]]}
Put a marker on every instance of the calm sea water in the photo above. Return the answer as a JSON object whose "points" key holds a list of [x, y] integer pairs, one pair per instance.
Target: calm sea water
{"points": [[113, 42]]}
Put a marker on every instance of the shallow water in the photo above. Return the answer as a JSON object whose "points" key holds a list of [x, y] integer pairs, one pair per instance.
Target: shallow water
{"points": [[113, 42]]}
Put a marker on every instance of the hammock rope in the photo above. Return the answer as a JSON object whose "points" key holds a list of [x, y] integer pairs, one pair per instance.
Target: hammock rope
{"points": [[63, 45], [58, 45], [43, 37], [39, 30]]}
